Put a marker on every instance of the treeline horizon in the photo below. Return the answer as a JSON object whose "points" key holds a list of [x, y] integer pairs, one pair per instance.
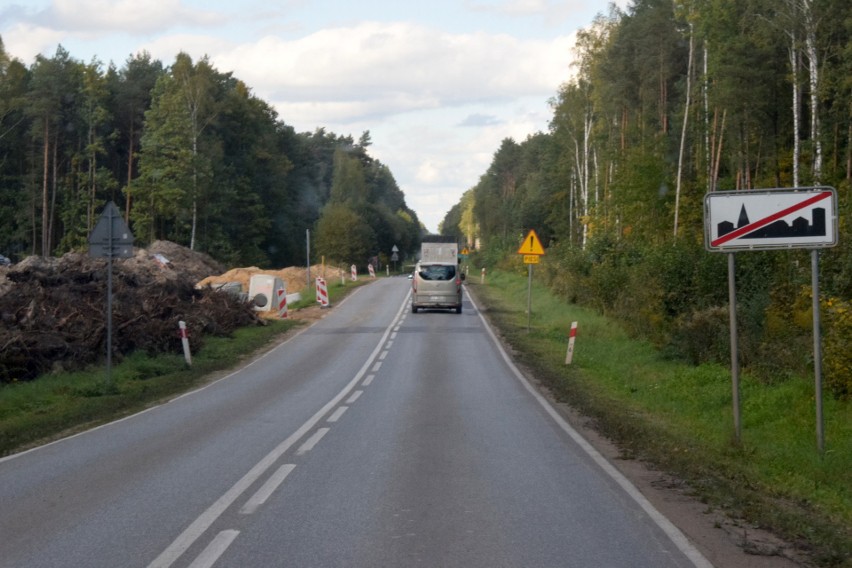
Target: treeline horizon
{"points": [[189, 155], [671, 100]]}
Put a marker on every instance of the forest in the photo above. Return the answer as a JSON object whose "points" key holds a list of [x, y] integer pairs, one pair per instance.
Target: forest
{"points": [[670, 100], [189, 155]]}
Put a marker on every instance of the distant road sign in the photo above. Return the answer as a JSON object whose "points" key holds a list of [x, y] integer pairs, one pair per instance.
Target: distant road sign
{"points": [[111, 237], [531, 244], [770, 219]]}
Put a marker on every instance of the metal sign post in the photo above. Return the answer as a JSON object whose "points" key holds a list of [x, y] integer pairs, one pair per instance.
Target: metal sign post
{"points": [[111, 238], [820, 429], [735, 354], [773, 219]]}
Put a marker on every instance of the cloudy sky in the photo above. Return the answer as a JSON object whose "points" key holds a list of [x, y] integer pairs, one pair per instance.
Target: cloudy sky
{"points": [[439, 84]]}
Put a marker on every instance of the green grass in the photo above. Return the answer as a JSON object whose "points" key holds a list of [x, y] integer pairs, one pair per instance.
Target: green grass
{"points": [[59, 404], [680, 417]]}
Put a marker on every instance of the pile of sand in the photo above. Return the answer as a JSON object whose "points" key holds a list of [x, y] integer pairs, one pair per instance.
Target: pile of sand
{"points": [[294, 278]]}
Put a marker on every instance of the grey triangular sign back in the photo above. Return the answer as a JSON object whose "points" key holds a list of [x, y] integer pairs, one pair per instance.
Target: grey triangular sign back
{"points": [[111, 236]]}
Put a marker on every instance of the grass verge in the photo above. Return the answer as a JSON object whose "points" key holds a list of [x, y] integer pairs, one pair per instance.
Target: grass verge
{"points": [[59, 404], [679, 417]]}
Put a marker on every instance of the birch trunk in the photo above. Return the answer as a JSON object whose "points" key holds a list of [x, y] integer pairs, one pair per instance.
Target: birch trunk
{"points": [[683, 129], [706, 92], [813, 73], [794, 65]]}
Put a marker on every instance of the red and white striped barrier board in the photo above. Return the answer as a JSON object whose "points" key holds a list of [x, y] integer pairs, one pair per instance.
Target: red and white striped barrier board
{"points": [[322, 293], [282, 303], [354, 273], [372, 270]]}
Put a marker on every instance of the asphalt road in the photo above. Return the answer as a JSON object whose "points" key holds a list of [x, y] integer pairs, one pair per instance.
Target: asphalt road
{"points": [[376, 437]]}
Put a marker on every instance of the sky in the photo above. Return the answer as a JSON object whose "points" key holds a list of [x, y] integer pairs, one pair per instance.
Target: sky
{"points": [[438, 84]]}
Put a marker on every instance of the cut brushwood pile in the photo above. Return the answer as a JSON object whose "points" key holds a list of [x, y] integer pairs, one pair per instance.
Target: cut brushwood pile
{"points": [[53, 310]]}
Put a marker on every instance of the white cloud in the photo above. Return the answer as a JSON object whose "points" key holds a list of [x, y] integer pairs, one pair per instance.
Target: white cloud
{"points": [[25, 41], [428, 172], [376, 69], [438, 94], [129, 16]]}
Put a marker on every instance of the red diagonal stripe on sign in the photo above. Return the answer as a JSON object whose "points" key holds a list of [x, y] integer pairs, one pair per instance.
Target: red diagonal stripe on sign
{"points": [[767, 220]]}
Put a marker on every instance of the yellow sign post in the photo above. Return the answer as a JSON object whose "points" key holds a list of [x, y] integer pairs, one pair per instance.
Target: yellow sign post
{"points": [[532, 250]]}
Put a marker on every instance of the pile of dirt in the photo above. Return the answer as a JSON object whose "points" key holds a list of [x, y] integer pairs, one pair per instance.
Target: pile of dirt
{"points": [[294, 277], [54, 309]]}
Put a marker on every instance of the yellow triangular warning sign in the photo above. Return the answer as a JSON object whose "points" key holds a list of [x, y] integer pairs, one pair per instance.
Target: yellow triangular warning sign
{"points": [[531, 244]]}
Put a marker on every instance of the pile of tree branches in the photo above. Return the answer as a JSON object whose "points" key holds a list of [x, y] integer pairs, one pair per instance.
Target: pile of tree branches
{"points": [[54, 312]]}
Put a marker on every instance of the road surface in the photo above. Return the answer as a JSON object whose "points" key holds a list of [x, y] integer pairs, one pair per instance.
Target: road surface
{"points": [[376, 437]]}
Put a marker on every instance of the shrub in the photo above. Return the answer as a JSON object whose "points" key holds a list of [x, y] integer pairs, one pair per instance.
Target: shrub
{"points": [[837, 355], [702, 336]]}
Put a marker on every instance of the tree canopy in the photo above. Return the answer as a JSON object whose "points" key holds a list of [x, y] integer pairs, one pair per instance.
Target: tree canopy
{"points": [[672, 99], [189, 154]]}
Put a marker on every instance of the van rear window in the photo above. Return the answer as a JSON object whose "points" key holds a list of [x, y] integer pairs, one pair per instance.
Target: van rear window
{"points": [[437, 272]]}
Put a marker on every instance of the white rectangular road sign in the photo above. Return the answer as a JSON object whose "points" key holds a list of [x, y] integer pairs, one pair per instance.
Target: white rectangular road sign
{"points": [[770, 219]]}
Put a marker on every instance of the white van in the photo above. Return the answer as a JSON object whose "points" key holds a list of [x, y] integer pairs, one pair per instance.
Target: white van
{"points": [[436, 285]]}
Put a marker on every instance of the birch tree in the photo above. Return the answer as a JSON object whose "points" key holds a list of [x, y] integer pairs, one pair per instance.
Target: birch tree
{"points": [[683, 129], [810, 25], [133, 94], [195, 85]]}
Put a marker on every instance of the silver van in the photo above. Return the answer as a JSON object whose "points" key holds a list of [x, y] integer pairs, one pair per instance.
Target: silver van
{"points": [[437, 285]]}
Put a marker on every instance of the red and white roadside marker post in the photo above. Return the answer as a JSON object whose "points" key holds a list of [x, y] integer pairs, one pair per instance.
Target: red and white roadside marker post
{"points": [[184, 339], [354, 270], [572, 335], [372, 270], [282, 303]]}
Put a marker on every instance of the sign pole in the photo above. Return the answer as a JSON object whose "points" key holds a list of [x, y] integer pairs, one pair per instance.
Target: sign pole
{"points": [[109, 301], [820, 430], [110, 238], [735, 363], [529, 298], [308, 257]]}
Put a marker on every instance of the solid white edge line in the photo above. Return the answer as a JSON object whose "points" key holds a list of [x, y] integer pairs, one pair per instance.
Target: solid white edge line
{"points": [[208, 517], [268, 488], [675, 535], [215, 549]]}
